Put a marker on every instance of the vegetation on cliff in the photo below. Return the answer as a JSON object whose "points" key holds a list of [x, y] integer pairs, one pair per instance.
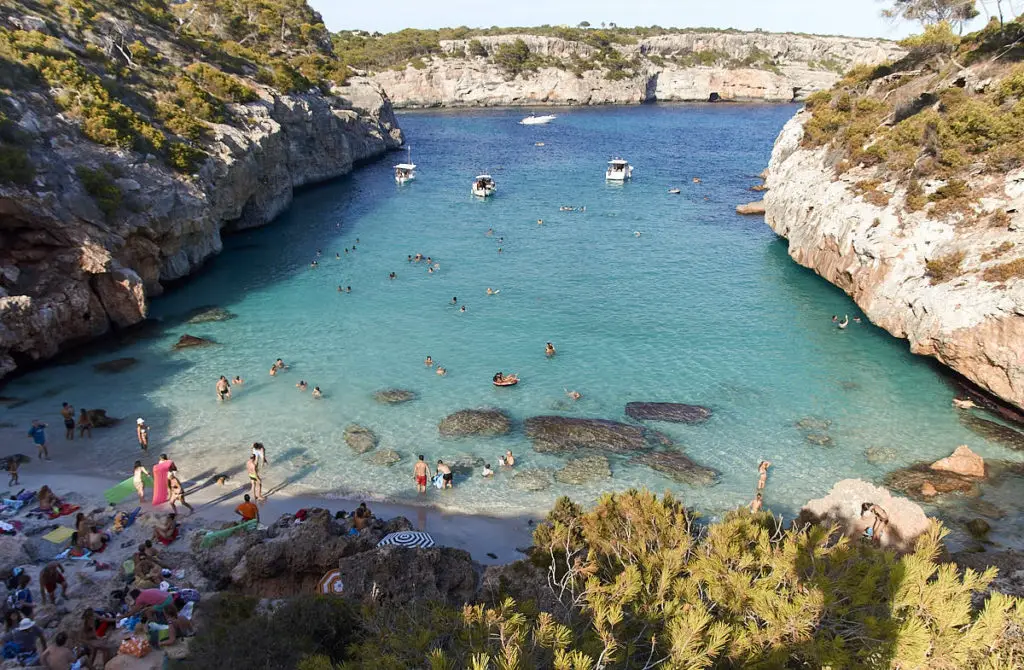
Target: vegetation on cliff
{"points": [[636, 583]]}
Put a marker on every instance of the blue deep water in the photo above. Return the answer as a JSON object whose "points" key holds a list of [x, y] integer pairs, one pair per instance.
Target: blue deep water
{"points": [[703, 307]]}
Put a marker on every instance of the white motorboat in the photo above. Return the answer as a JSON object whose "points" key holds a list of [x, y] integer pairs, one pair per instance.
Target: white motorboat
{"points": [[534, 120], [484, 185], [618, 170], [405, 172]]}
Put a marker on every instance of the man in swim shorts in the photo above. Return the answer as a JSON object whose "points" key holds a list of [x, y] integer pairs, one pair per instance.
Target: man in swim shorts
{"points": [[68, 412], [223, 388], [420, 473], [50, 578], [446, 474]]}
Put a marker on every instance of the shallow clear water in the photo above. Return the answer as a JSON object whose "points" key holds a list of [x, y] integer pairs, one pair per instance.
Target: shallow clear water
{"points": [[704, 307]]}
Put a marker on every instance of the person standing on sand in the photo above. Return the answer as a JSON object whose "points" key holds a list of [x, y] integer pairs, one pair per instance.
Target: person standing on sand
{"points": [[255, 482], [138, 471], [68, 412], [420, 473], [12, 470], [142, 432], [177, 492], [38, 434], [84, 424], [50, 578]]}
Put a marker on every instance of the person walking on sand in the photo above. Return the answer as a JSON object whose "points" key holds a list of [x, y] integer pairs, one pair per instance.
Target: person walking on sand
{"points": [[138, 471], [223, 388], [255, 481], [177, 492], [68, 412], [762, 478], [38, 434], [420, 473], [84, 424], [142, 432]]}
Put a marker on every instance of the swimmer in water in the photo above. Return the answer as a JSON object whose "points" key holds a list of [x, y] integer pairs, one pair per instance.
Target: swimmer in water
{"points": [[313, 264], [762, 478], [340, 289], [348, 289], [575, 395], [337, 257], [357, 240], [302, 386], [392, 276], [237, 381], [429, 261], [273, 370], [462, 309], [455, 300], [318, 252], [409, 258], [499, 250], [279, 364], [490, 291], [856, 319], [835, 319], [441, 372], [430, 271], [549, 350], [636, 233], [490, 232], [428, 361], [223, 389], [540, 222], [844, 323], [316, 392], [346, 250]]}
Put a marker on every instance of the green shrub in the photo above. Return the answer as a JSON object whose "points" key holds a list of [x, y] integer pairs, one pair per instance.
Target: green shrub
{"points": [[219, 85], [15, 166], [915, 199], [1004, 272], [514, 58], [937, 38], [185, 157], [101, 187], [476, 49], [943, 268]]}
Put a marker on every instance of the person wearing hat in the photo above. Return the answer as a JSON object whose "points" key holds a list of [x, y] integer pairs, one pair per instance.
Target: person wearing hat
{"points": [[26, 635], [142, 431]]}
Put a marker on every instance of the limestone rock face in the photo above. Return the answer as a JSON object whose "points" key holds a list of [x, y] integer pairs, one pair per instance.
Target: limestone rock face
{"points": [[877, 255], [398, 574], [842, 507], [559, 434], [70, 273], [962, 461], [751, 208], [475, 422], [460, 80]]}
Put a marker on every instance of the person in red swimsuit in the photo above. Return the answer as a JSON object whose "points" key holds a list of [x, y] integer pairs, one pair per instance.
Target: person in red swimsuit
{"points": [[421, 471]]}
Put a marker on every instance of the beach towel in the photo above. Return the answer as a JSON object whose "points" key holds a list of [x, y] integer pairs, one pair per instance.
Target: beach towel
{"points": [[10, 503], [167, 541], [125, 489], [59, 535], [65, 509], [438, 481], [160, 471], [75, 554], [123, 521], [214, 535]]}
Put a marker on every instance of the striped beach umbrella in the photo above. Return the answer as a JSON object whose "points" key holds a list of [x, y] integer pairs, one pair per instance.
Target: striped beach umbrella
{"points": [[407, 538], [331, 584]]}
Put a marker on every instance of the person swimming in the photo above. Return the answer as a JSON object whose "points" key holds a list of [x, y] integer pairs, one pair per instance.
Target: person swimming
{"points": [[575, 395], [223, 388], [392, 276], [540, 222], [348, 289], [835, 319], [430, 271], [237, 381], [341, 289], [302, 386], [856, 319], [313, 264], [428, 361], [337, 256], [490, 232], [844, 323], [462, 309], [455, 299], [441, 372], [316, 392], [279, 364], [549, 350]]}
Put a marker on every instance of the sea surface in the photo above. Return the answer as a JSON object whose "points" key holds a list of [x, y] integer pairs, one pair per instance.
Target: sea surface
{"points": [[702, 306]]}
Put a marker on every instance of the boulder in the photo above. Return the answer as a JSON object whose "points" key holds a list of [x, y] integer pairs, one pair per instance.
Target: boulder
{"points": [[188, 341], [481, 422], [99, 418], [978, 528], [756, 207], [667, 411], [209, 314], [384, 457], [842, 506], [962, 461], [394, 396], [360, 438], [402, 575], [583, 470], [116, 365], [878, 455], [918, 481], [678, 466], [814, 423], [820, 439], [990, 430], [154, 660], [531, 479], [985, 508], [14, 552], [560, 434]]}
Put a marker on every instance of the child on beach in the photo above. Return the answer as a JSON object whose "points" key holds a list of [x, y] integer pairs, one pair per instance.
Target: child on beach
{"points": [[137, 473], [12, 470]]}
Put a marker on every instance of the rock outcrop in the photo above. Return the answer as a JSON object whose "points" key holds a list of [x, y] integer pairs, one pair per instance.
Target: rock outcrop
{"points": [[793, 66], [531, 479], [962, 461], [842, 507], [878, 254], [584, 470], [667, 411], [397, 574], [480, 422], [559, 434], [678, 466], [394, 396], [360, 438]]}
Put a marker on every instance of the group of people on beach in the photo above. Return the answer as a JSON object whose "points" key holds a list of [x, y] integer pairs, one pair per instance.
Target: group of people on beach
{"points": [[38, 431], [443, 478]]}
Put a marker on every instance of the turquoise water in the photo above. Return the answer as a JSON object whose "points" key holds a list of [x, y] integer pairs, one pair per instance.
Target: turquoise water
{"points": [[704, 307]]}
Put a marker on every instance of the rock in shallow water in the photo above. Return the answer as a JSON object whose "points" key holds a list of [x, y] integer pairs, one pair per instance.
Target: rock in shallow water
{"points": [[667, 411], [384, 457], [918, 482], [990, 430], [116, 365], [187, 341], [99, 418], [394, 396], [878, 455], [475, 422], [820, 439], [678, 466], [583, 470], [813, 423], [559, 434], [531, 479], [962, 461], [360, 438], [209, 314]]}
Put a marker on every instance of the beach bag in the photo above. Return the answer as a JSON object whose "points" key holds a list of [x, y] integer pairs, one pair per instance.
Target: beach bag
{"points": [[133, 646], [188, 595]]}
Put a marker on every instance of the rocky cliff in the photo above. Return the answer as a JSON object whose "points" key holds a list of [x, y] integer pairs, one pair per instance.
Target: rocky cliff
{"points": [[78, 259], [677, 67], [885, 188]]}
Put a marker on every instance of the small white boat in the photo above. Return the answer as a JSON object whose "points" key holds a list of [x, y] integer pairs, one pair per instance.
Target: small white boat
{"points": [[484, 185], [405, 171], [618, 170], [534, 120]]}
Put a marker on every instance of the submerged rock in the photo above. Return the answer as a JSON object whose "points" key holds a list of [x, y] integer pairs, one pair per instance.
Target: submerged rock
{"points": [[990, 430], [667, 411], [918, 481], [962, 461], [814, 423], [985, 508], [360, 438], [531, 479], [820, 439], [209, 314], [978, 528], [116, 365], [842, 507], [384, 457], [187, 341], [878, 455], [482, 422], [394, 396], [99, 418], [559, 434], [678, 466], [583, 470], [463, 466]]}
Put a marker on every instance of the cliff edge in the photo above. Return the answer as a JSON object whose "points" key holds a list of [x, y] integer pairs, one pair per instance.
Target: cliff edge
{"points": [[130, 141], [904, 186]]}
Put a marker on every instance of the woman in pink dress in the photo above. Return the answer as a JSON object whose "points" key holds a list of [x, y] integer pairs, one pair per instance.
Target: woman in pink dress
{"points": [[160, 470]]}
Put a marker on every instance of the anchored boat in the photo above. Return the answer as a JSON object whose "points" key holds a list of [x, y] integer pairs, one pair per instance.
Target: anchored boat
{"points": [[534, 120], [618, 170], [484, 186]]}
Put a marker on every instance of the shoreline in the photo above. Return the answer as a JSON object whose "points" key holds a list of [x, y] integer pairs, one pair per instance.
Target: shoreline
{"points": [[428, 109]]}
